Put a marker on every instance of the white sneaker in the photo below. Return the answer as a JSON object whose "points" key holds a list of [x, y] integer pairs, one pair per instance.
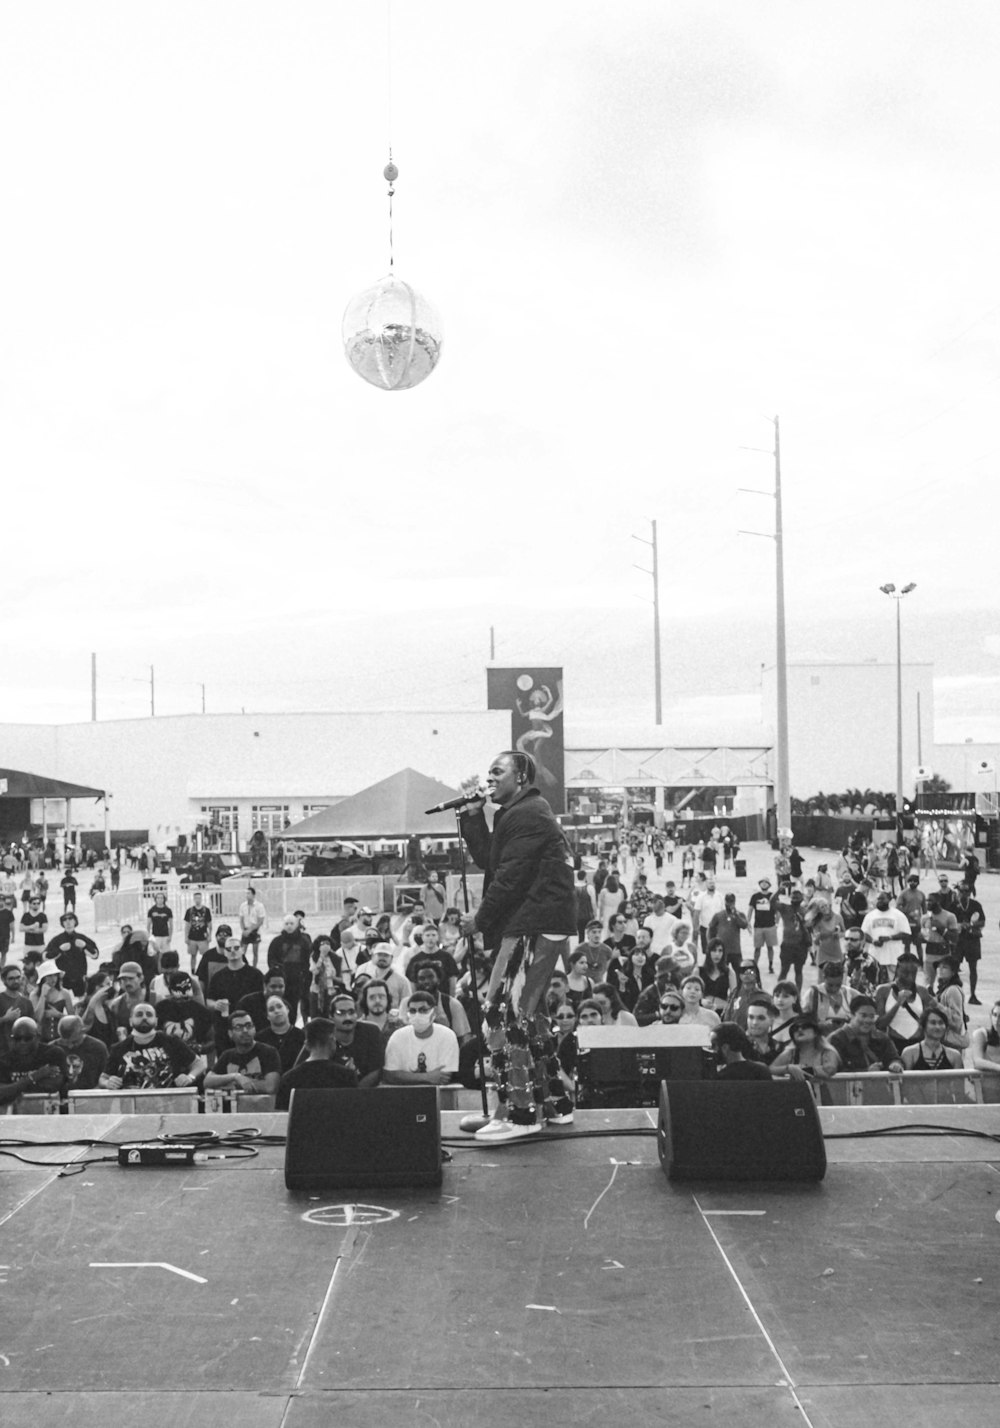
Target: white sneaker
{"points": [[563, 1120], [498, 1132]]}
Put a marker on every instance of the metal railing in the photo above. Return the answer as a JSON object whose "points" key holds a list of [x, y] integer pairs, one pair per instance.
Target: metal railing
{"points": [[961, 1087], [313, 896]]}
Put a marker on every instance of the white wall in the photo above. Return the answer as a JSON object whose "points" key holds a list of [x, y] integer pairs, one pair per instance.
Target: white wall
{"points": [[842, 724]]}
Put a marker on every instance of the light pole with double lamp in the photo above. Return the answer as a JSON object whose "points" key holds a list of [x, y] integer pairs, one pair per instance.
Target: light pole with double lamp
{"points": [[897, 595]]}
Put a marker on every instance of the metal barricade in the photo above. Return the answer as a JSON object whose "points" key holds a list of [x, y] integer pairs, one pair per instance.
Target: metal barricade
{"points": [[961, 1087], [315, 896], [223, 1102], [33, 1105], [168, 1101]]}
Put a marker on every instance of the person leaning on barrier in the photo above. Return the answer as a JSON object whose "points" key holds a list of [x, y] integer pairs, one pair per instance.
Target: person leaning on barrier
{"points": [[983, 1055], [247, 1065], [860, 1045], [30, 1068], [809, 1056], [86, 1057], [148, 1059], [930, 1052]]}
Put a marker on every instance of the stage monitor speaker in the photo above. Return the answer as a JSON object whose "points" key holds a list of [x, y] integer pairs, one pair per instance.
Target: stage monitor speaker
{"points": [[740, 1130], [380, 1139]]}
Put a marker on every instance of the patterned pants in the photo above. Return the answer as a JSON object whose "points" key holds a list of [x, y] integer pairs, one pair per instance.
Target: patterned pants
{"points": [[519, 1034]]}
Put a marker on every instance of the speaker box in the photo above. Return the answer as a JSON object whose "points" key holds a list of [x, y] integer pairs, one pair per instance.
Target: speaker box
{"points": [[378, 1139], [740, 1130]]}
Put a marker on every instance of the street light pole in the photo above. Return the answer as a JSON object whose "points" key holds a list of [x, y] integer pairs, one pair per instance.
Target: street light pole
{"points": [[897, 595]]}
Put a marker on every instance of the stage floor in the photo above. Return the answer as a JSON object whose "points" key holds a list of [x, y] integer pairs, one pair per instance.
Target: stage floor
{"points": [[544, 1284]]}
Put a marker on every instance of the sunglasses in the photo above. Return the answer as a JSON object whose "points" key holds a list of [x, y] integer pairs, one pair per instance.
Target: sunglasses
{"points": [[671, 1006]]}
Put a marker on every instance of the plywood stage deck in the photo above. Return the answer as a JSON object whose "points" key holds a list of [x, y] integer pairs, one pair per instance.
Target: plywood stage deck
{"points": [[550, 1284]]}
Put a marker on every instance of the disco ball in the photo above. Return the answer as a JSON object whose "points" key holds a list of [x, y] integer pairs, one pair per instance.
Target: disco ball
{"points": [[392, 335]]}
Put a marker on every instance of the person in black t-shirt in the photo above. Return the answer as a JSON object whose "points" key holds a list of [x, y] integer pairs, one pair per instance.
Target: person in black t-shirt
{"points": [[319, 1070], [286, 1039], [70, 950], [29, 1068], [247, 1065], [181, 1015], [734, 1055]]}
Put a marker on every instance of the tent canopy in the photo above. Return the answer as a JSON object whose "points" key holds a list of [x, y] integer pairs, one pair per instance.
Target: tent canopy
{"points": [[29, 785], [392, 808]]}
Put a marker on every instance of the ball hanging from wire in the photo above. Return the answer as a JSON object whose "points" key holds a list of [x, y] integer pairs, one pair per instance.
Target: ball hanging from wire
{"points": [[392, 334]]}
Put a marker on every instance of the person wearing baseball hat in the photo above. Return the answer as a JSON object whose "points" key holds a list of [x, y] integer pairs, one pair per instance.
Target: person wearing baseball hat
{"points": [[762, 916]]}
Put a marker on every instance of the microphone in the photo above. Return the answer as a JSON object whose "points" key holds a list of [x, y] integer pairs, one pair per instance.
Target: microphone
{"points": [[464, 800]]}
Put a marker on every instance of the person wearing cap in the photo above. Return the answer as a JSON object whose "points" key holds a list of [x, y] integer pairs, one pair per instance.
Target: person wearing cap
{"points": [[134, 947], [829, 1001], [748, 986], [950, 997], [808, 1056], [646, 1009], [71, 951], [148, 1059], [214, 957], [379, 967], [423, 1052], [50, 1000], [859, 1043], [34, 922], [762, 914], [86, 1057], [30, 1068], [912, 903], [726, 927], [181, 1014]]}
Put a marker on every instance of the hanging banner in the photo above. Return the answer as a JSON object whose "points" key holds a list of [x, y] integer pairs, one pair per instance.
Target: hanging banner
{"points": [[535, 700]]}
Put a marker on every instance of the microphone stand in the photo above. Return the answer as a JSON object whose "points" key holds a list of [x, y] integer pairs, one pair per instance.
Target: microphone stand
{"points": [[470, 1124]]}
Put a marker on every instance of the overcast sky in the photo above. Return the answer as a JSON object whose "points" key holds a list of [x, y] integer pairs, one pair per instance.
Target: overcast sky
{"points": [[647, 226]]}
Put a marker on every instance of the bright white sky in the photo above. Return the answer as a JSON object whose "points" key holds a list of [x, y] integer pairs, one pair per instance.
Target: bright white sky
{"points": [[647, 227]]}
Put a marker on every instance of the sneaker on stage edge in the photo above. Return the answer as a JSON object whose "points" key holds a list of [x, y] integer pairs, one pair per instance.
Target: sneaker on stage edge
{"points": [[499, 1132], [564, 1120]]}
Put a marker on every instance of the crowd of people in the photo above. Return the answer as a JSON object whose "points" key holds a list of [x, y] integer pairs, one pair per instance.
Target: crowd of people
{"points": [[839, 971]]}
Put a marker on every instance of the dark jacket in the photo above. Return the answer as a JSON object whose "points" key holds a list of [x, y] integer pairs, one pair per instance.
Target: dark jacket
{"points": [[528, 887]]}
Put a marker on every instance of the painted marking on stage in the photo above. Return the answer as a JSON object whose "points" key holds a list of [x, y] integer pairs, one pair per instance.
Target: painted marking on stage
{"points": [[616, 1164], [338, 1216], [147, 1264], [786, 1380], [734, 1212]]}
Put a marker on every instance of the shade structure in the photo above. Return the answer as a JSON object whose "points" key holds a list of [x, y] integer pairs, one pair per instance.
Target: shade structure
{"points": [[392, 808], [29, 785]]}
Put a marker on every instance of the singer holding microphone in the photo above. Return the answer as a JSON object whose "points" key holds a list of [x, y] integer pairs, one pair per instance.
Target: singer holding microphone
{"points": [[526, 917]]}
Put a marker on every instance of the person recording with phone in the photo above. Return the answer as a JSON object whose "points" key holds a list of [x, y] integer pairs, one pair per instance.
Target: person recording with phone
{"points": [[526, 917]]}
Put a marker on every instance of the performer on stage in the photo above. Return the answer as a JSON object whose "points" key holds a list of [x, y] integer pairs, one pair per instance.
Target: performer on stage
{"points": [[526, 917]]}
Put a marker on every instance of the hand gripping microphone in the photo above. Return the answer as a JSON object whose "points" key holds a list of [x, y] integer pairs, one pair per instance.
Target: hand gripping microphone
{"points": [[464, 800]]}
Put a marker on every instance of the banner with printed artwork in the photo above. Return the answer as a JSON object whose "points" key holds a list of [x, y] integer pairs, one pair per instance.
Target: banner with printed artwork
{"points": [[535, 700]]}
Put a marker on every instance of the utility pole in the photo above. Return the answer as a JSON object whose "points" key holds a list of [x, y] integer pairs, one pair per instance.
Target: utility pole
{"points": [[93, 687], [152, 693], [655, 573], [782, 787], [897, 595], [493, 643]]}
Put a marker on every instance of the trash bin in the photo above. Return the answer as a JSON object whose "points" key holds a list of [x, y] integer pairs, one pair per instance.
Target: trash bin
{"points": [[740, 865]]}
